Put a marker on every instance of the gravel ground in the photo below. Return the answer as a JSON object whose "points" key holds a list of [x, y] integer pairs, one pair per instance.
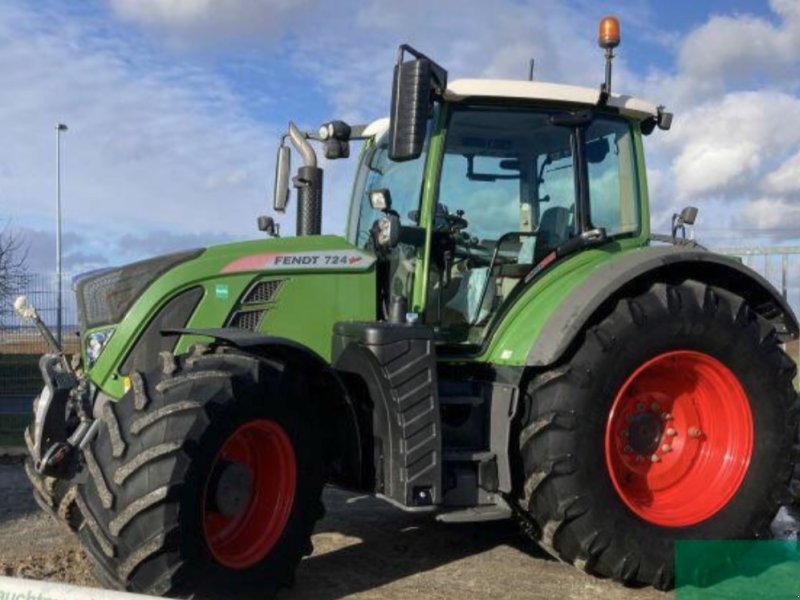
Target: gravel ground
{"points": [[364, 548]]}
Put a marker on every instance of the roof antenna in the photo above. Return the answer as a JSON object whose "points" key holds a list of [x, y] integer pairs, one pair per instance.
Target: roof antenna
{"points": [[530, 72]]}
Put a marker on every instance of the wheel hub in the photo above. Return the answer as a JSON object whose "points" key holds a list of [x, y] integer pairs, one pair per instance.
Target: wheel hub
{"points": [[233, 489], [679, 438], [249, 494], [645, 432]]}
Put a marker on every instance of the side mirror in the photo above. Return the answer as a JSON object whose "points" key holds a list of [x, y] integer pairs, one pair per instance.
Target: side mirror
{"points": [[268, 226], [680, 220], [283, 165], [416, 83], [689, 215]]}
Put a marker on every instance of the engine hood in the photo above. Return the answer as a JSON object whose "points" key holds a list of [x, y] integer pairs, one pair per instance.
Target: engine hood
{"points": [[105, 295]]}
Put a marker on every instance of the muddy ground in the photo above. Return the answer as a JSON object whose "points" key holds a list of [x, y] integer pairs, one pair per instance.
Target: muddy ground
{"points": [[364, 549]]}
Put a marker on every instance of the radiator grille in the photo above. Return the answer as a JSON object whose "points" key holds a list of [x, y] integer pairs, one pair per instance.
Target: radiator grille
{"points": [[250, 319], [263, 291]]}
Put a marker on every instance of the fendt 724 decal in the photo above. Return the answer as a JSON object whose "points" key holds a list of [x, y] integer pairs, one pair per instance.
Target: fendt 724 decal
{"points": [[318, 259]]}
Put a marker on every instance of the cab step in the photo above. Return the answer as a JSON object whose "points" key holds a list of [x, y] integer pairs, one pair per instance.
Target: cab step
{"points": [[477, 514]]}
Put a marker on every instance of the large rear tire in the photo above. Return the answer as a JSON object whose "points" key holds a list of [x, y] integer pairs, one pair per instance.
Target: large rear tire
{"points": [[672, 419], [206, 476]]}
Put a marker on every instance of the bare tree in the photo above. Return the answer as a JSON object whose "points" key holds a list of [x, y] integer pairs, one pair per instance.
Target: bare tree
{"points": [[12, 269]]}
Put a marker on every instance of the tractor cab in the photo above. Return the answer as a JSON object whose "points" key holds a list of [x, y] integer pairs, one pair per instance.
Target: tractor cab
{"points": [[510, 175]]}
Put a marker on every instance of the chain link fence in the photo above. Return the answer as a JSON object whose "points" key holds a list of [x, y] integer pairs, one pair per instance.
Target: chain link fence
{"points": [[780, 266], [20, 343]]}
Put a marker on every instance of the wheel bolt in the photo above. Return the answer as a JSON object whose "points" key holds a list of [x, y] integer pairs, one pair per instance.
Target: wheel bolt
{"points": [[666, 448], [655, 407], [625, 433], [666, 416], [671, 432], [655, 458], [694, 432], [640, 406], [628, 449]]}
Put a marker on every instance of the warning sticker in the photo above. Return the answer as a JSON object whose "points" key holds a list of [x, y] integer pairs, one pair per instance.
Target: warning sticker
{"points": [[336, 260]]}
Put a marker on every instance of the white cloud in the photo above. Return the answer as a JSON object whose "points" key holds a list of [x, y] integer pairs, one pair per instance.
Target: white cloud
{"points": [[213, 21], [739, 47], [777, 216], [724, 145], [151, 144], [158, 142], [786, 178]]}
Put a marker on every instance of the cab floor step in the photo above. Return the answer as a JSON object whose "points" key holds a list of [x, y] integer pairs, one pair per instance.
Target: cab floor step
{"points": [[476, 514], [460, 400], [467, 455]]}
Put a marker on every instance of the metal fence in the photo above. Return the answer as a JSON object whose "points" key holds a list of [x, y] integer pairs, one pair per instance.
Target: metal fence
{"points": [[780, 265], [21, 345]]}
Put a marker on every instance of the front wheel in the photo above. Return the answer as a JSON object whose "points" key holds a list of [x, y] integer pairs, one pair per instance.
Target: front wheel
{"points": [[672, 420], [206, 477]]}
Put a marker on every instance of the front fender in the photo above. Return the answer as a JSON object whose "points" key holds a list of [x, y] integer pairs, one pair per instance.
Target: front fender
{"points": [[334, 406]]}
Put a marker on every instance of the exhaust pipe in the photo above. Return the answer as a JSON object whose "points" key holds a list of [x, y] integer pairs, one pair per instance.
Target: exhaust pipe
{"points": [[309, 186]]}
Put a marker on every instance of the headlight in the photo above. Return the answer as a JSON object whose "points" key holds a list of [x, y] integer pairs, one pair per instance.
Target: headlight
{"points": [[96, 343]]}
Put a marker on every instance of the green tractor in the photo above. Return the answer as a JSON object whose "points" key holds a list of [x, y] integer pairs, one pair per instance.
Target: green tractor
{"points": [[497, 335]]}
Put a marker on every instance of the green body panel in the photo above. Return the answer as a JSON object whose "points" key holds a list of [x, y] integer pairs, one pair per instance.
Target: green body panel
{"points": [[518, 331], [306, 307]]}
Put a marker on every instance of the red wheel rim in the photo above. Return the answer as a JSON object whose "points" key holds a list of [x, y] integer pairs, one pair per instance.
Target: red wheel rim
{"points": [[263, 451], [679, 438]]}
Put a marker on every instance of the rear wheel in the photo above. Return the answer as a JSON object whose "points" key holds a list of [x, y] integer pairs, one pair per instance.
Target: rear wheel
{"points": [[209, 477], [673, 419]]}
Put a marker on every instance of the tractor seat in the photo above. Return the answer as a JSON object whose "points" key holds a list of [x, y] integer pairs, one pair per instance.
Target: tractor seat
{"points": [[555, 228]]}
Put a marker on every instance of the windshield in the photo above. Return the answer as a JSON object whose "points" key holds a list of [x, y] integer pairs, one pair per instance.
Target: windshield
{"points": [[508, 197], [511, 170]]}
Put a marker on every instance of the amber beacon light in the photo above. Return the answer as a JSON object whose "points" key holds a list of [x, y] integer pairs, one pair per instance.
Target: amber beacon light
{"points": [[608, 33], [607, 38]]}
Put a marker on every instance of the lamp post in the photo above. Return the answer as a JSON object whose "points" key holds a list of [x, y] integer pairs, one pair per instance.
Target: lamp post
{"points": [[60, 127]]}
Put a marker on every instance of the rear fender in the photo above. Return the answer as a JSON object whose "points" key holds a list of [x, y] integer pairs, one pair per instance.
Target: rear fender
{"points": [[627, 274]]}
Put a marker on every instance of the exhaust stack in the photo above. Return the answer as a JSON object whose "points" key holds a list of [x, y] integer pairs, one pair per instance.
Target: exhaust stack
{"points": [[309, 186]]}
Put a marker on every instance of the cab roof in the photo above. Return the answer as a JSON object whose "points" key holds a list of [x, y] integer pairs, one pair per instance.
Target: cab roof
{"points": [[461, 89]]}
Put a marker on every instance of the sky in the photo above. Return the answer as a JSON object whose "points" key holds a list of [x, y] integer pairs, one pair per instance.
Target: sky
{"points": [[175, 107]]}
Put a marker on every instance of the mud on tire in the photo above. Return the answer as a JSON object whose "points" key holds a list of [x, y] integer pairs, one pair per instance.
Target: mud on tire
{"points": [[143, 499], [569, 502], [57, 497]]}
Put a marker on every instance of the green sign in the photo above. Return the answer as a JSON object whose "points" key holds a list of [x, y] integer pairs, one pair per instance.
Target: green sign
{"points": [[734, 569], [221, 291]]}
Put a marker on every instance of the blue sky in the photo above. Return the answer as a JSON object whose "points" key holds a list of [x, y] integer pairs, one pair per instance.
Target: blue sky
{"points": [[175, 106]]}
